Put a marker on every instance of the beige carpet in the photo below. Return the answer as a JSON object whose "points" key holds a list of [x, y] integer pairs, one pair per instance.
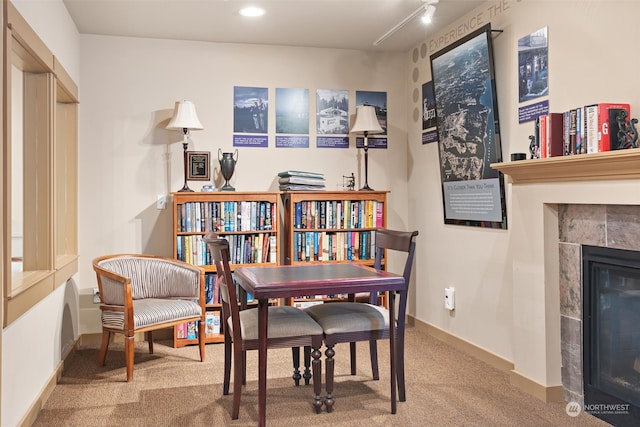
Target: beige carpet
{"points": [[172, 388]]}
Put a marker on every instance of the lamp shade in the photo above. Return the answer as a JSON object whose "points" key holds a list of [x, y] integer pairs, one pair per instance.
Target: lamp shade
{"points": [[366, 120], [185, 117]]}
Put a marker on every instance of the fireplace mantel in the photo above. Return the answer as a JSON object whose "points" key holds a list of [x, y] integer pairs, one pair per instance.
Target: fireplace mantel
{"points": [[619, 164]]}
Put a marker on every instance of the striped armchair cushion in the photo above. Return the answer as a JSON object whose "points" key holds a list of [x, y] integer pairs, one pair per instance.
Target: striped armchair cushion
{"points": [[151, 311]]}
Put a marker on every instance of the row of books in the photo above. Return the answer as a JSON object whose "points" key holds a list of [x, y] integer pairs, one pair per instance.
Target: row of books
{"points": [[590, 129], [293, 180], [243, 249], [225, 216], [189, 330], [332, 246], [338, 214]]}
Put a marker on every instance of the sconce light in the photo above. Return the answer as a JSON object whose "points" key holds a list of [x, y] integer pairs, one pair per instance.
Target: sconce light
{"points": [[185, 119], [366, 122]]}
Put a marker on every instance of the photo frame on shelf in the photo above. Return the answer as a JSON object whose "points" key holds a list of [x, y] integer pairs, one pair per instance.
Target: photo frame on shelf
{"points": [[199, 165]]}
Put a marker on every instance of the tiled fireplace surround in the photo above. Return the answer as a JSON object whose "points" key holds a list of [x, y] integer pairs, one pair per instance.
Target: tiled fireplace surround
{"points": [[615, 226]]}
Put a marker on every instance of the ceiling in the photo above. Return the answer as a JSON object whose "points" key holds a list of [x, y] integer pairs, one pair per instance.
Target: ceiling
{"points": [[348, 24]]}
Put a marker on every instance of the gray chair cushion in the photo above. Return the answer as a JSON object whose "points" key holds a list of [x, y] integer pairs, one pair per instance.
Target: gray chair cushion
{"points": [[344, 317], [284, 322], [151, 311]]}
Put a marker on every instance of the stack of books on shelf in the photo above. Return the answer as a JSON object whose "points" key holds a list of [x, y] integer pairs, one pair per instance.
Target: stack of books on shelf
{"points": [[589, 129], [299, 180]]}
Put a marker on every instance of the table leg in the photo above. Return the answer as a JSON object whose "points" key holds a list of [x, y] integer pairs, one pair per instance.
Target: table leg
{"points": [[392, 348], [263, 313]]}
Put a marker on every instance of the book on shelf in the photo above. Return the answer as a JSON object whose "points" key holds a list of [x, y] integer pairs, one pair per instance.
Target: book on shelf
{"points": [[571, 128], [299, 187], [555, 135], [301, 174], [208, 325], [212, 324], [192, 330], [608, 124], [591, 128], [181, 331], [305, 180], [580, 148]]}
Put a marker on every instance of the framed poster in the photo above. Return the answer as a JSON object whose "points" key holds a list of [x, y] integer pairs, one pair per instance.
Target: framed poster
{"points": [[468, 132], [198, 166]]}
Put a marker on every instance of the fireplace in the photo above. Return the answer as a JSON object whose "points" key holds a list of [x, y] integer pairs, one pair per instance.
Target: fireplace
{"points": [[611, 334]]}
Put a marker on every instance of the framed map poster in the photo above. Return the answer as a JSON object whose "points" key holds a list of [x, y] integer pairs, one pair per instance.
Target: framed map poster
{"points": [[469, 132]]}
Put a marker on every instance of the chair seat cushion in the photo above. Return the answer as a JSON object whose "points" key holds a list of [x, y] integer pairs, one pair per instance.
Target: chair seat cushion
{"points": [[284, 322], [152, 311], [345, 317]]}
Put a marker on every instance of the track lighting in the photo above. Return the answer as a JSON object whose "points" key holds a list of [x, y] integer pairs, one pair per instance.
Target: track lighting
{"points": [[427, 9]]}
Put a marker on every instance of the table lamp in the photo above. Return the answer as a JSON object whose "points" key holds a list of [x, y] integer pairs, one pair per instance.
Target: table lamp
{"points": [[366, 122], [185, 119]]}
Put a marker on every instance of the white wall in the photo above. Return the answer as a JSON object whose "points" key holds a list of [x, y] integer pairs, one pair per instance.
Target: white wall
{"points": [[127, 157], [27, 363], [500, 305]]}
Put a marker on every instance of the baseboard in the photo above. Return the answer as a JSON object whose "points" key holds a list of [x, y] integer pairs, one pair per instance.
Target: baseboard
{"points": [[83, 341], [529, 386], [32, 413]]}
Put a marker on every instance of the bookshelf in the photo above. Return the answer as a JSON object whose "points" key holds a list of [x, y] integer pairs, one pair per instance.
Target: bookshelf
{"points": [[331, 226], [248, 220]]}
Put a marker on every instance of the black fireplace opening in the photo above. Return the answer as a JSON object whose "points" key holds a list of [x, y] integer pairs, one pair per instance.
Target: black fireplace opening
{"points": [[611, 334]]}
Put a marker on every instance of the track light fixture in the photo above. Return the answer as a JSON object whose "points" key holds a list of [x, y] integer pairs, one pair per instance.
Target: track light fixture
{"points": [[428, 14], [427, 9]]}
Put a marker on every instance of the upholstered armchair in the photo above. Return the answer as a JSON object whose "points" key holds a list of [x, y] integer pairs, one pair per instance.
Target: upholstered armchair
{"points": [[143, 293]]}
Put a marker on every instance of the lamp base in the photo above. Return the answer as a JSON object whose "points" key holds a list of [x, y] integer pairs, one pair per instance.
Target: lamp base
{"points": [[366, 188], [185, 189]]}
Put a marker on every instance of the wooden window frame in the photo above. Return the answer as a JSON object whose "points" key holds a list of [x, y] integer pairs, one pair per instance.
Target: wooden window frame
{"points": [[50, 247]]}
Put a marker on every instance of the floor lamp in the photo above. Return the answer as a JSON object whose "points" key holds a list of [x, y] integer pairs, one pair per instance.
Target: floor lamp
{"points": [[366, 122], [185, 119]]}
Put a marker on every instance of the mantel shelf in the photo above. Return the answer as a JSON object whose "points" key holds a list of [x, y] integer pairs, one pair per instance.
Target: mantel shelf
{"points": [[619, 164]]}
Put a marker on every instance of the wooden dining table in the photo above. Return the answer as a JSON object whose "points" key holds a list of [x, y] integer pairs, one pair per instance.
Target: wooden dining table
{"points": [[265, 283]]}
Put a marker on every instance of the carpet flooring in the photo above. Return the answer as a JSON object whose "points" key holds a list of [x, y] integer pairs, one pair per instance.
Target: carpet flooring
{"points": [[445, 387]]}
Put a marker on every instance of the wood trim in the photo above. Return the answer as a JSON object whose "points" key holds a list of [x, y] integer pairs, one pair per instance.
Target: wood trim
{"points": [[66, 83], [534, 388], [465, 346], [31, 291], [38, 404], [545, 393], [618, 164], [67, 268], [29, 42]]}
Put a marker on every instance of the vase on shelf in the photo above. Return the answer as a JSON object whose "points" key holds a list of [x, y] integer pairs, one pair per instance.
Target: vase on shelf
{"points": [[227, 166]]}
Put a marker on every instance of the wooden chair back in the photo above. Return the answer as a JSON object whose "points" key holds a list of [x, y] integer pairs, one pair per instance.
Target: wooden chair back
{"points": [[219, 249], [402, 241]]}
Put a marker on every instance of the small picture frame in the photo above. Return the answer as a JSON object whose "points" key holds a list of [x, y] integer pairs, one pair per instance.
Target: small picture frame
{"points": [[198, 163]]}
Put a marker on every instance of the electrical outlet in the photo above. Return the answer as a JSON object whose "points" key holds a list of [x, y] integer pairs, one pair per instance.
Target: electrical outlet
{"points": [[449, 298], [161, 201], [96, 296]]}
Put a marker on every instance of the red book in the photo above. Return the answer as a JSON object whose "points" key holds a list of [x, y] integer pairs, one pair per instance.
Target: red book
{"points": [[607, 124], [555, 135], [542, 143]]}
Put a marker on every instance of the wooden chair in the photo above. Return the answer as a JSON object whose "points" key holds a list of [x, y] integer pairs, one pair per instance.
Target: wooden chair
{"points": [[142, 293], [357, 321], [287, 327]]}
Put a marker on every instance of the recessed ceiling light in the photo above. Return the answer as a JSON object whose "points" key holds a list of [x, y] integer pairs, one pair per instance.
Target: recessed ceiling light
{"points": [[252, 11]]}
